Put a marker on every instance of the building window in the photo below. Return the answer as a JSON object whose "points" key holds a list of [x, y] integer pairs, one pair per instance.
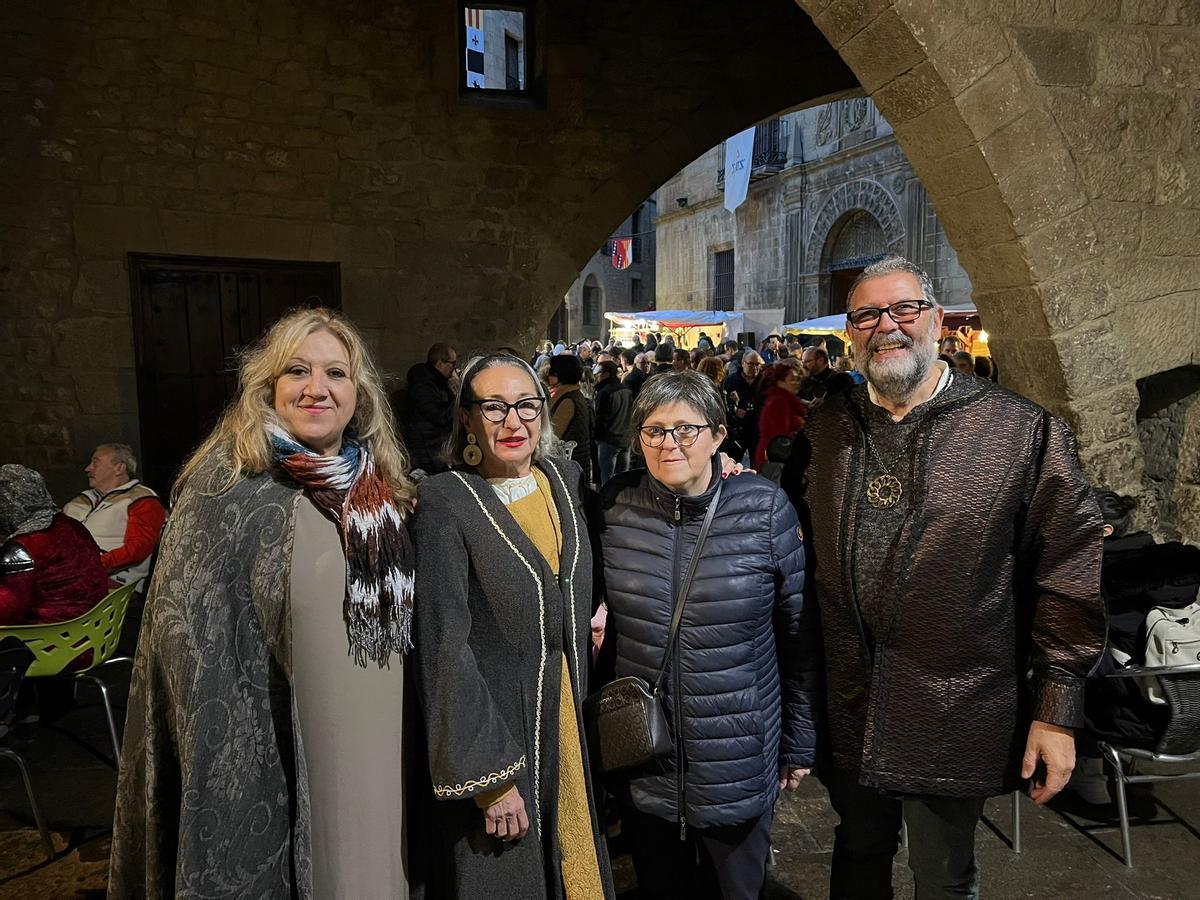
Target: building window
{"points": [[512, 63], [495, 48], [591, 302], [723, 280]]}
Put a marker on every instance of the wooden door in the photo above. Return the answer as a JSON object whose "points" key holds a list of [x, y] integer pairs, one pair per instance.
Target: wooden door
{"points": [[191, 318], [840, 281]]}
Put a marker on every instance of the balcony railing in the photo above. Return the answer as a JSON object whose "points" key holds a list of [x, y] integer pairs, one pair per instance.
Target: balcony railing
{"points": [[771, 144]]}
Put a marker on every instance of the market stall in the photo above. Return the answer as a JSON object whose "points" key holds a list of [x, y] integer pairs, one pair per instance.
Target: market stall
{"points": [[684, 325], [963, 321]]}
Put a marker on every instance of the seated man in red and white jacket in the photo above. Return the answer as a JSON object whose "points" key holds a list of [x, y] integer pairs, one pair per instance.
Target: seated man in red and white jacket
{"points": [[123, 515]]}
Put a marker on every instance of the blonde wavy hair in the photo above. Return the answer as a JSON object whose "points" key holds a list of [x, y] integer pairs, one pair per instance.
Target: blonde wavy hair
{"points": [[241, 434]]}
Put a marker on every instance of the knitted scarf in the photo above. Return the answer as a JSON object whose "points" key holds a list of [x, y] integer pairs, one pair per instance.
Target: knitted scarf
{"points": [[378, 606]]}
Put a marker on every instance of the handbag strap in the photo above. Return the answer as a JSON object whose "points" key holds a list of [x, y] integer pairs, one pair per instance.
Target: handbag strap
{"points": [[686, 585]]}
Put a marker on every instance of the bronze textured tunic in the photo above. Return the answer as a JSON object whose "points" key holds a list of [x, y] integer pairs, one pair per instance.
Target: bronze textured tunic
{"points": [[992, 571]]}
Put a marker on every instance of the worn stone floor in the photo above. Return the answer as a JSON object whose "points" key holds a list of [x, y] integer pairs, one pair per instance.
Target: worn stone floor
{"points": [[1069, 851]]}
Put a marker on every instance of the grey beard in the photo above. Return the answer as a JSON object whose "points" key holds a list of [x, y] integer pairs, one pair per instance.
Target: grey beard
{"points": [[897, 384]]}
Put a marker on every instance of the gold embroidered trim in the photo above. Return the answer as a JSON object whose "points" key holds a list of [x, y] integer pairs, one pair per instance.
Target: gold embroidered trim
{"points": [[541, 607], [461, 790]]}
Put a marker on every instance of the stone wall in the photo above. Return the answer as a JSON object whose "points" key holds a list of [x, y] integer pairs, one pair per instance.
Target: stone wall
{"points": [[839, 162], [688, 238], [335, 131], [1056, 142]]}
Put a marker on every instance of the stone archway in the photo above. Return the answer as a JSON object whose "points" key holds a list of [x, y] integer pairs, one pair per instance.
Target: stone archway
{"points": [[1063, 180], [853, 243], [835, 213], [591, 307], [1054, 140]]}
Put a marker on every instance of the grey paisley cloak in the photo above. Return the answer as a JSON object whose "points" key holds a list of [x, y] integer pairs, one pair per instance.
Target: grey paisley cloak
{"points": [[212, 799], [492, 623]]}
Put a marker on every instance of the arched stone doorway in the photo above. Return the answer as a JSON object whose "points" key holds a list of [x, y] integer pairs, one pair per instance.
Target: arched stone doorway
{"points": [[591, 308], [861, 215], [1021, 126], [854, 243]]}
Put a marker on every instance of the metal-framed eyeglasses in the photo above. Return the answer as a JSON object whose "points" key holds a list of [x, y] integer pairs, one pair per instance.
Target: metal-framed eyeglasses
{"points": [[901, 312], [683, 435], [528, 409]]}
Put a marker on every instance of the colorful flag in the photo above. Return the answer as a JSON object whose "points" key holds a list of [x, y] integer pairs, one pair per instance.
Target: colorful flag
{"points": [[622, 253], [475, 67], [739, 157]]}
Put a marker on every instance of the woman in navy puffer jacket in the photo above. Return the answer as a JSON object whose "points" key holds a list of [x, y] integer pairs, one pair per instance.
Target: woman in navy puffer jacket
{"points": [[741, 685]]}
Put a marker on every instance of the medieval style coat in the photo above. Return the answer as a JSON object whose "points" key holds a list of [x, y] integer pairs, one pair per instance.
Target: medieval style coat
{"points": [[213, 798], [988, 613], [492, 623]]}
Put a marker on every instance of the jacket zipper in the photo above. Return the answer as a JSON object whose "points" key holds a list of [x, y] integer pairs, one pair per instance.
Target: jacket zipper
{"points": [[680, 808]]}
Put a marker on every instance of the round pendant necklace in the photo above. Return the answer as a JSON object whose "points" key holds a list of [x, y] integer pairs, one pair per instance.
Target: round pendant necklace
{"points": [[884, 491]]}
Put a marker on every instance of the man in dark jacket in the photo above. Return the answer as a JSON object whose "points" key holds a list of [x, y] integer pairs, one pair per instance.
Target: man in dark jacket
{"points": [[664, 359], [931, 707], [741, 391], [614, 416], [430, 408], [822, 380], [638, 375]]}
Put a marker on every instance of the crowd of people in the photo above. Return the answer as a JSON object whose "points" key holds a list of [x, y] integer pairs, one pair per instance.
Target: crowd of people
{"points": [[437, 645]]}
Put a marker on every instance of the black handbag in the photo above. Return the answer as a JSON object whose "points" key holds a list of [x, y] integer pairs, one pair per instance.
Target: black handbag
{"points": [[626, 716]]}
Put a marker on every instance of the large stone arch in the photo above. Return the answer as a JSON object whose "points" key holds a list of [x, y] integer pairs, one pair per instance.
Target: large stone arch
{"points": [[1061, 167]]}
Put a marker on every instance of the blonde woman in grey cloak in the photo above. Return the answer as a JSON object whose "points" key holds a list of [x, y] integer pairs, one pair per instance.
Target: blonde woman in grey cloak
{"points": [[262, 753]]}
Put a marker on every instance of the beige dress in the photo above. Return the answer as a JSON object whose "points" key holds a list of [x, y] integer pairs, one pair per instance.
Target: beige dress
{"points": [[350, 725]]}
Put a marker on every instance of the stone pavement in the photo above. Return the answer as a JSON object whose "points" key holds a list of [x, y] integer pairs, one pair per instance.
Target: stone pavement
{"points": [[75, 785]]}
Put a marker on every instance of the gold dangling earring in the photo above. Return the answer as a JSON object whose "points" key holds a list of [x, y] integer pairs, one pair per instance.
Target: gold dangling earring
{"points": [[471, 453]]}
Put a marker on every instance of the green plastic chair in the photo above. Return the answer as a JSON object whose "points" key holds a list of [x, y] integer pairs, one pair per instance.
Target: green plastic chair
{"points": [[57, 645]]}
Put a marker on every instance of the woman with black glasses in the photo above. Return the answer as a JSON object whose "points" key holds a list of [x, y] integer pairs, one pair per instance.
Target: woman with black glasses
{"points": [[504, 572], [739, 663]]}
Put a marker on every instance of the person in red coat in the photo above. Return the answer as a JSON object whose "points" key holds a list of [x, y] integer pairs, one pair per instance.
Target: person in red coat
{"points": [[50, 567], [782, 411]]}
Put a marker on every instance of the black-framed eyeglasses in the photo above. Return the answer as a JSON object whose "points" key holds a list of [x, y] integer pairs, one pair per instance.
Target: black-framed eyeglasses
{"points": [[527, 409], [683, 435], [902, 311]]}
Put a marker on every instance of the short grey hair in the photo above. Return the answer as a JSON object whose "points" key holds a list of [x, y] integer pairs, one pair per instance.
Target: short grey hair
{"points": [[891, 265], [690, 387], [452, 452], [123, 454]]}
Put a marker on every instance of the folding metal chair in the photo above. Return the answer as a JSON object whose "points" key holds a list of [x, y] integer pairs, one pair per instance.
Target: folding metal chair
{"points": [[1179, 744], [15, 659]]}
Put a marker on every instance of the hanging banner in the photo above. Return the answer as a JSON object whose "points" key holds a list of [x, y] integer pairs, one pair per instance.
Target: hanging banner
{"points": [[622, 253], [475, 67], [739, 157]]}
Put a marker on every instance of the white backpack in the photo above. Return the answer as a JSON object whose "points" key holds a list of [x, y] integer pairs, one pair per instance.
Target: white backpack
{"points": [[1172, 639]]}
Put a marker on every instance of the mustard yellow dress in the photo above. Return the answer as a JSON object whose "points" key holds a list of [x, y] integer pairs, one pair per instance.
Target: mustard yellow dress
{"points": [[531, 504]]}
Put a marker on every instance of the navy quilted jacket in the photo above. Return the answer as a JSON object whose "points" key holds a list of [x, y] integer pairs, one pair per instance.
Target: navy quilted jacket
{"points": [[745, 672]]}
